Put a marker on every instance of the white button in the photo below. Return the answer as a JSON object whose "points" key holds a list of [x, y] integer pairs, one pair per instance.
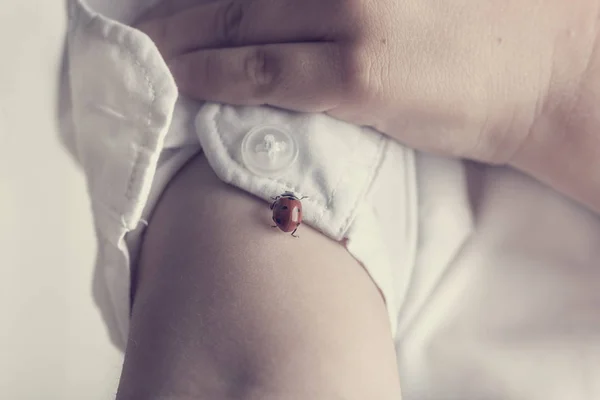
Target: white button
{"points": [[267, 150]]}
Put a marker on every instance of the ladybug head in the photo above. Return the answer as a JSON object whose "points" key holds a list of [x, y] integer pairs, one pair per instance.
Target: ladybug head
{"points": [[290, 195]]}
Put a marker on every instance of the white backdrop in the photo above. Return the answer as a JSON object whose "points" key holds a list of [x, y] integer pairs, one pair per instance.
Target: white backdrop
{"points": [[53, 344], [510, 297]]}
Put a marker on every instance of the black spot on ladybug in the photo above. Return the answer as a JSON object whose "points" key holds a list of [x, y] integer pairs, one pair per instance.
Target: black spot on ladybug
{"points": [[284, 207], [278, 220]]}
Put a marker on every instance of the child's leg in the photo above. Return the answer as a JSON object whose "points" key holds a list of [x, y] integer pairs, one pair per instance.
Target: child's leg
{"points": [[228, 308]]}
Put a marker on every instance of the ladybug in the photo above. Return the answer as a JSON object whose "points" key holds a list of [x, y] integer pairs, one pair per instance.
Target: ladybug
{"points": [[287, 212]]}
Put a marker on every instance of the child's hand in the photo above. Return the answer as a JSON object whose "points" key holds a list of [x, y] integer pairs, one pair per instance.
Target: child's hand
{"points": [[470, 78]]}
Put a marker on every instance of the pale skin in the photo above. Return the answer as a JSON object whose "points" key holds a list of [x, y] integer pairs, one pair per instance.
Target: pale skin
{"points": [[226, 308]]}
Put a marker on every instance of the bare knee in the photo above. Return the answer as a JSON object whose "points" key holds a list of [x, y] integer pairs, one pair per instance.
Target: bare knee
{"points": [[227, 307]]}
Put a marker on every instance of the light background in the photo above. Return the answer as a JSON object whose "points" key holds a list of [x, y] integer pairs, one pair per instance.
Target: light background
{"points": [[53, 344]]}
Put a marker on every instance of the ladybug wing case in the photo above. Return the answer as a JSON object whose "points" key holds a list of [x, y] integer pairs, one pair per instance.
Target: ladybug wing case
{"points": [[287, 214]]}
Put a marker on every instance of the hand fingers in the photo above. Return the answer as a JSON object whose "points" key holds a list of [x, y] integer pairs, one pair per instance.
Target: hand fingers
{"points": [[232, 23], [299, 76], [167, 8]]}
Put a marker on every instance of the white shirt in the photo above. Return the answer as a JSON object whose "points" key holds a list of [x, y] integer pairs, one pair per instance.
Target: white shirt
{"points": [[503, 296]]}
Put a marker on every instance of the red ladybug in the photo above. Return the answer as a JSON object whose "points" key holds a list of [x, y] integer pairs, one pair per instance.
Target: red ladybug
{"points": [[287, 212]]}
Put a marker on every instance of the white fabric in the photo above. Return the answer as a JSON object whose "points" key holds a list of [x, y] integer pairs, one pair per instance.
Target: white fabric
{"points": [[491, 280]]}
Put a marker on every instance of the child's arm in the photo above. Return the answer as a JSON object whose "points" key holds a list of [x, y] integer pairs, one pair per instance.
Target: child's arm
{"points": [[226, 308]]}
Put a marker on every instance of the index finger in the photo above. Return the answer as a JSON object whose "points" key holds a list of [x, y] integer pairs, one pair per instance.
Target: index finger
{"points": [[167, 8], [234, 23]]}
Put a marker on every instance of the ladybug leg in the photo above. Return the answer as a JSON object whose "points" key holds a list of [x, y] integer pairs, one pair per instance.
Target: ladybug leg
{"points": [[274, 201], [303, 197], [273, 226], [296, 236]]}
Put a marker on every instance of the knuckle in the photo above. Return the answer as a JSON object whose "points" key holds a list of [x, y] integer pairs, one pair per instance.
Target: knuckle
{"points": [[208, 68], [229, 21], [262, 71]]}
